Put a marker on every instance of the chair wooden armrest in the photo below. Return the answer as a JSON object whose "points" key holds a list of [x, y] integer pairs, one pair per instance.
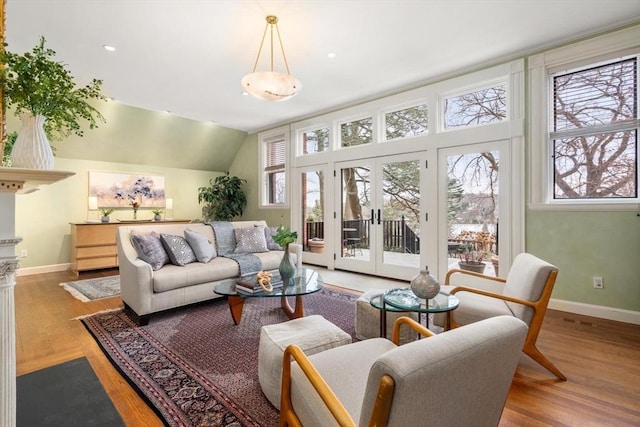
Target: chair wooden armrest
{"points": [[410, 323], [287, 414], [471, 273], [494, 295]]}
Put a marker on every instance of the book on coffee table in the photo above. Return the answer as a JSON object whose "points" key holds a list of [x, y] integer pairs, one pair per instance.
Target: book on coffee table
{"points": [[249, 284]]}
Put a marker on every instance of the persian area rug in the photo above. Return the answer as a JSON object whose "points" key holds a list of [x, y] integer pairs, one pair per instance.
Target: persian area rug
{"points": [[197, 368], [93, 289], [69, 394]]}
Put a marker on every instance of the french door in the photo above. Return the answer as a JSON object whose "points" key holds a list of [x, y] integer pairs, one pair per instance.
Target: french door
{"points": [[378, 216], [475, 213]]}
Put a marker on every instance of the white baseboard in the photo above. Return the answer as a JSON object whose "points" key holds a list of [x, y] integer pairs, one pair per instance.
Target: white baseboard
{"points": [[42, 269], [599, 311]]}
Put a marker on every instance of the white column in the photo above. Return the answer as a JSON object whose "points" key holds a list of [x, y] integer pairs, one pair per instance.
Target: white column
{"points": [[8, 267], [12, 181]]}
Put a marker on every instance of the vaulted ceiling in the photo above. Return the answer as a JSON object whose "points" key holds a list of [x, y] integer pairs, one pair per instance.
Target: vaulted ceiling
{"points": [[188, 56]]}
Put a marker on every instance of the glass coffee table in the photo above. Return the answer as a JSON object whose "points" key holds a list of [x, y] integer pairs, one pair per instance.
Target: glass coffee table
{"points": [[405, 300], [305, 281]]}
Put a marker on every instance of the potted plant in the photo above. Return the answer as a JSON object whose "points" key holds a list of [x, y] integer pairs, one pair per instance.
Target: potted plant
{"points": [[471, 260], [43, 94], [156, 214], [105, 214], [223, 199]]}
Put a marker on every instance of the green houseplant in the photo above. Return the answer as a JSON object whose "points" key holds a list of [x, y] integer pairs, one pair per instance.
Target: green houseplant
{"points": [[284, 237], [156, 214], [43, 94], [223, 199], [105, 214]]}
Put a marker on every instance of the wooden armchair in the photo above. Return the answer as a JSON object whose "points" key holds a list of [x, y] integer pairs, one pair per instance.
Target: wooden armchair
{"points": [[460, 377], [525, 294]]}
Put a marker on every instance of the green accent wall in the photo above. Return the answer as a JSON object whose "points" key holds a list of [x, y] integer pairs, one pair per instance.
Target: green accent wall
{"points": [[587, 244]]}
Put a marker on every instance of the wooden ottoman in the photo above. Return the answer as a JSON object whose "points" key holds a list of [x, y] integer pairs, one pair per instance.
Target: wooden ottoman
{"points": [[313, 334]]}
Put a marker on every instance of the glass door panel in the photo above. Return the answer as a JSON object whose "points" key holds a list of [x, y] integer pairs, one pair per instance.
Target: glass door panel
{"points": [[400, 213], [313, 191], [473, 210]]}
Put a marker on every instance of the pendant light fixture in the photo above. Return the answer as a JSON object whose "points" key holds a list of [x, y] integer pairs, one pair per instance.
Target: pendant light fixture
{"points": [[271, 85]]}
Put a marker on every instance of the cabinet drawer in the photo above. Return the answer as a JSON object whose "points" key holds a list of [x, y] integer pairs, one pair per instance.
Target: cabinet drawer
{"points": [[94, 263], [96, 251], [96, 234]]}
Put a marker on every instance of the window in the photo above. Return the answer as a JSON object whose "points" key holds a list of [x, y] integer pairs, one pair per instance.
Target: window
{"points": [[357, 132], [594, 134], [583, 133], [315, 141], [273, 155], [407, 122], [488, 105]]}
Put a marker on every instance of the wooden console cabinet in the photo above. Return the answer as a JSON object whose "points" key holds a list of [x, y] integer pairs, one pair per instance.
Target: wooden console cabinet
{"points": [[93, 245]]}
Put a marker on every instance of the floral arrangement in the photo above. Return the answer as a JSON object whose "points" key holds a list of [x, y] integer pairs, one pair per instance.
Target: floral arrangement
{"points": [[135, 205], [157, 211], [106, 212], [284, 236], [37, 83]]}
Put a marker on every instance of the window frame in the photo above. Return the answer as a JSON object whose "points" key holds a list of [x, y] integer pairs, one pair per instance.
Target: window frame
{"points": [[542, 68], [264, 139]]}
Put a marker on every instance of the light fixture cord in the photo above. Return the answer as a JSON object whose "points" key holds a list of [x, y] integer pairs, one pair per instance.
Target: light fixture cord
{"points": [[255, 65], [286, 64]]}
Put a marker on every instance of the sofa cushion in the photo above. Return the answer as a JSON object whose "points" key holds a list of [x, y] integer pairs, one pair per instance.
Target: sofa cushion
{"points": [[178, 249], [174, 277], [250, 240], [150, 249], [268, 234], [201, 245]]}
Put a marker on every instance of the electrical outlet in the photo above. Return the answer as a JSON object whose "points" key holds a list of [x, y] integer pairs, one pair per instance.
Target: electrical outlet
{"points": [[598, 283], [23, 253]]}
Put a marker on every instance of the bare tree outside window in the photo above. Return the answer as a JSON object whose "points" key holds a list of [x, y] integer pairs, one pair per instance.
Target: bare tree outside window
{"points": [[595, 132], [483, 106]]}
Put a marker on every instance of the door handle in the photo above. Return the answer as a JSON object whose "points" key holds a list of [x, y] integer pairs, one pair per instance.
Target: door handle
{"points": [[372, 216], [379, 217]]}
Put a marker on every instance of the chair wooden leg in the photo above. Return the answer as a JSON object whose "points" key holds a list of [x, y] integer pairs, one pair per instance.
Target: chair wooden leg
{"points": [[531, 351]]}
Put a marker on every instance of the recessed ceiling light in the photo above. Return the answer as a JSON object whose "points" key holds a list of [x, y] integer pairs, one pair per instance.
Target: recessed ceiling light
{"points": [[108, 48], [331, 55]]}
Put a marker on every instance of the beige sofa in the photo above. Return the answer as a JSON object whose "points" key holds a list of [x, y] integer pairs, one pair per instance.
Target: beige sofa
{"points": [[145, 291]]}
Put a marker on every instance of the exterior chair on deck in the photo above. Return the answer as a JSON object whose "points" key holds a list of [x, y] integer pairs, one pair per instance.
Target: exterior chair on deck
{"points": [[459, 377], [524, 294]]}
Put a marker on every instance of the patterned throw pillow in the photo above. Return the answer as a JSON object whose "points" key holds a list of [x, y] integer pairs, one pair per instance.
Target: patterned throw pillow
{"points": [[179, 251], [150, 249], [268, 234], [201, 246], [250, 240]]}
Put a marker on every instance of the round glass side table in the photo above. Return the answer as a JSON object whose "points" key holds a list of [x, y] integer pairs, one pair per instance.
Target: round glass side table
{"points": [[404, 299]]}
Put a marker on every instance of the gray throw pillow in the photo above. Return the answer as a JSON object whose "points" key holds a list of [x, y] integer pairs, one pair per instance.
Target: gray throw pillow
{"points": [[179, 251], [201, 246], [150, 249], [250, 240], [268, 234]]}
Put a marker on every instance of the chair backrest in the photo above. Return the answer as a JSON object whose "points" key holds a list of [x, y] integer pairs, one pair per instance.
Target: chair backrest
{"points": [[527, 279], [459, 377]]}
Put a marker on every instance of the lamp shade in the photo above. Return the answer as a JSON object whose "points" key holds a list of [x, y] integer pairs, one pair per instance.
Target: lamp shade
{"points": [[168, 203], [271, 85], [93, 203]]}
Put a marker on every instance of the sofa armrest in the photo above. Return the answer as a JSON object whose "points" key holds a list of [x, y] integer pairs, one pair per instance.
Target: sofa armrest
{"points": [[136, 276]]}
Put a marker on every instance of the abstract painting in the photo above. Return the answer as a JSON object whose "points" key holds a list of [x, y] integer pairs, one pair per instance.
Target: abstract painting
{"points": [[119, 190]]}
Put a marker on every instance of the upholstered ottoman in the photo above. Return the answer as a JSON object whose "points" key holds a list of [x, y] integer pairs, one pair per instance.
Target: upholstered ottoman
{"points": [[368, 319], [313, 334]]}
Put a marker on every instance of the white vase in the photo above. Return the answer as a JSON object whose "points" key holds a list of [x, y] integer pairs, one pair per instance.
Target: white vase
{"points": [[32, 149]]}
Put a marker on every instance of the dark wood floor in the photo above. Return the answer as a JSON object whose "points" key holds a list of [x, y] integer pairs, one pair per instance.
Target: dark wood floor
{"points": [[601, 359]]}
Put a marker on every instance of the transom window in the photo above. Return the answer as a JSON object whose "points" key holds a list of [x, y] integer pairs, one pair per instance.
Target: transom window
{"points": [[357, 132], [488, 105], [594, 131], [315, 141], [407, 122]]}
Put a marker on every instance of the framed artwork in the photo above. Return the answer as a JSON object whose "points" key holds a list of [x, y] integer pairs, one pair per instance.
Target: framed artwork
{"points": [[119, 190]]}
